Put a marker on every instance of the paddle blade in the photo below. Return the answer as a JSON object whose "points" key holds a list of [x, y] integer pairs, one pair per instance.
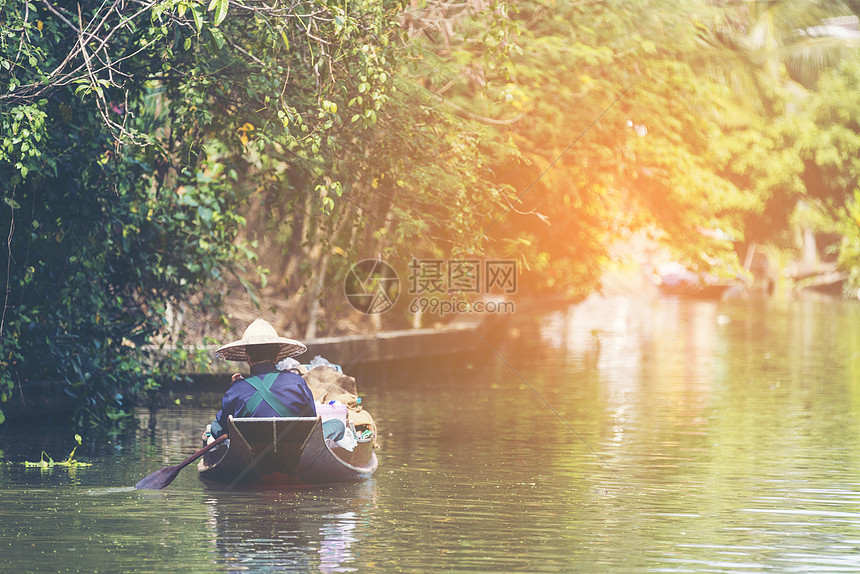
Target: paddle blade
{"points": [[158, 479], [161, 478]]}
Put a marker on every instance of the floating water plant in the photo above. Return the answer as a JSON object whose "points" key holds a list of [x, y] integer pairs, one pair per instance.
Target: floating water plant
{"points": [[47, 462]]}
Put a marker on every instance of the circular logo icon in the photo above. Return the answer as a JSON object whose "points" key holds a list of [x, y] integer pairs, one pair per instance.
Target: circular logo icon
{"points": [[371, 286]]}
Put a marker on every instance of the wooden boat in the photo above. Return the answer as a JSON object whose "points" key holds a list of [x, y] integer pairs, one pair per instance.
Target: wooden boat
{"points": [[285, 451], [674, 279]]}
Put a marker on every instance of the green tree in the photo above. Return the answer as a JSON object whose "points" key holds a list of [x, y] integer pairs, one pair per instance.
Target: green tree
{"points": [[412, 179], [132, 134], [771, 55], [760, 49], [613, 129], [106, 226], [829, 146]]}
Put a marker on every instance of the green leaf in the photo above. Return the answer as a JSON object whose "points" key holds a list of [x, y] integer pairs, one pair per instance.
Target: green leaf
{"points": [[217, 39], [220, 7], [197, 14], [205, 214]]}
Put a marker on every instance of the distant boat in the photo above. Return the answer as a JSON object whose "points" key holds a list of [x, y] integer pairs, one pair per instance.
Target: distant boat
{"points": [[674, 279], [286, 451]]}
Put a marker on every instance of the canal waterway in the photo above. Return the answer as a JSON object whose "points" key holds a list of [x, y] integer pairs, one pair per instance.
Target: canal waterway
{"points": [[619, 435]]}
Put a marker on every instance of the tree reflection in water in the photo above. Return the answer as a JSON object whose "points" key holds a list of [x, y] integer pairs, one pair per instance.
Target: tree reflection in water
{"points": [[277, 530]]}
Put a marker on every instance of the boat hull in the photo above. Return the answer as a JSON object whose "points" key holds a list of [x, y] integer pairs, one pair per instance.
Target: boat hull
{"points": [[285, 451]]}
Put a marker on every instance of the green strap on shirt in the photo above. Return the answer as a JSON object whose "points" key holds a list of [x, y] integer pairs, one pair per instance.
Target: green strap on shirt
{"points": [[263, 387]]}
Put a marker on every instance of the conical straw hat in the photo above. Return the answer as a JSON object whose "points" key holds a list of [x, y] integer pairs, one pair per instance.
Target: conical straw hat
{"points": [[260, 332]]}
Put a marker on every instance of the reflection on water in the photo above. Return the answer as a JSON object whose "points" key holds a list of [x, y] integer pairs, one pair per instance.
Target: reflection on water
{"points": [[618, 435], [289, 531], [336, 539]]}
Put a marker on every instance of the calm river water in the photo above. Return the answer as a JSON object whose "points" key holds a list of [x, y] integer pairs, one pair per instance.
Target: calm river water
{"points": [[619, 435]]}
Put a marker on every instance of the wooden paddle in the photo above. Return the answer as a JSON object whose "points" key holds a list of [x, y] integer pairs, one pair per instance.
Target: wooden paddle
{"points": [[163, 477]]}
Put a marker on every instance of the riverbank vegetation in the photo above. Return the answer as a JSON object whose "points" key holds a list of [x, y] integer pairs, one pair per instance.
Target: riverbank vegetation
{"points": [[160, 156]]}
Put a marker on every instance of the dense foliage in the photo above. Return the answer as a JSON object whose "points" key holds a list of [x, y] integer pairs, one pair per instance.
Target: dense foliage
{"points": [[131, 133], [614, 139], [830, 149], [113, 210], [150, 149]]}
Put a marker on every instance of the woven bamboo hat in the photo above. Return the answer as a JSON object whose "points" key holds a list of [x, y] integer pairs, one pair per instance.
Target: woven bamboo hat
{"points": [[260, 332]]}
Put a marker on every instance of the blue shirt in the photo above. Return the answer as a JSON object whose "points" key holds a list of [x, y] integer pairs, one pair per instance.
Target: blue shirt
{"points": [[290, 389]]}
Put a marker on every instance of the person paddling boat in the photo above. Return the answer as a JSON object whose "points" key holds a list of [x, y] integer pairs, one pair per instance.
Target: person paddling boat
{"points": [[267, 392]]}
